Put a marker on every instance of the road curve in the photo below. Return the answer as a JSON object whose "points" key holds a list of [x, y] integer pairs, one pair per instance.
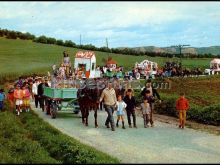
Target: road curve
{"points": [[164, 143]]}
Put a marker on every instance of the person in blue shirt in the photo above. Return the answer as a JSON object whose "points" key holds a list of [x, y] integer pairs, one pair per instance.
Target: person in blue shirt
{"points": [[2, 98]]}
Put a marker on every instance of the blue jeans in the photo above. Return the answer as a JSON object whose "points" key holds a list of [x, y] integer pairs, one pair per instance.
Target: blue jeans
{"points": [[110, 110], [1, 105]]}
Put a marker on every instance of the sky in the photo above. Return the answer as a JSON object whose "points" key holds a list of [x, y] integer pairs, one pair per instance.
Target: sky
{"points": [[123, 23]]}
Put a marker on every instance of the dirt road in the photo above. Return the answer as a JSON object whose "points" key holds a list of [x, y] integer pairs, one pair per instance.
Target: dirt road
{"points": [[165, 143]]}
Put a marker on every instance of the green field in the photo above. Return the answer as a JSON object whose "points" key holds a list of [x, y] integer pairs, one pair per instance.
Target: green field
{"points": [[22, 56]]}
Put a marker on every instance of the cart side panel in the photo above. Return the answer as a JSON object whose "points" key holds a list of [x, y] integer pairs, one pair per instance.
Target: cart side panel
{"points": [[69, 93], [52, 92]]}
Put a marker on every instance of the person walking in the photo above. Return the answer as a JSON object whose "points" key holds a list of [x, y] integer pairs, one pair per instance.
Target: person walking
{"points": [[150, 91], [11, 99], [34, 92], [150, 100], [146, 109], [40, 91], [2, 98], [109, 97], [18, 95], [182, 105], [131, 104], [121, 105]]}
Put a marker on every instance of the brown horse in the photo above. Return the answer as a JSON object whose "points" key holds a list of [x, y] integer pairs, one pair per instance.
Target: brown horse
{"points": [[89, 100]]}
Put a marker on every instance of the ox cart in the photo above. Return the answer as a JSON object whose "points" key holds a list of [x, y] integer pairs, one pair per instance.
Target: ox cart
{"points": [[61, 99]]}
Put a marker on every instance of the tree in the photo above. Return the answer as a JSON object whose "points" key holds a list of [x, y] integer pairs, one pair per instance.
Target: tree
{"points": [[69, 43], [51, 40], [60, 42], [12, 35], [41, 39]]}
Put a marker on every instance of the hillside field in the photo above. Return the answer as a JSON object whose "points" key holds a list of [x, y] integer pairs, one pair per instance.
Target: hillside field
{"points": [[21, 56]]}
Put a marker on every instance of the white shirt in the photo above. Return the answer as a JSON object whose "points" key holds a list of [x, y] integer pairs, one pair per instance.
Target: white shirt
{"points": [[34, 88]]}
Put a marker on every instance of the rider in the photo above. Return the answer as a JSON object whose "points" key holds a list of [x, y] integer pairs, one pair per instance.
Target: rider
{"points": [[66, 62]]}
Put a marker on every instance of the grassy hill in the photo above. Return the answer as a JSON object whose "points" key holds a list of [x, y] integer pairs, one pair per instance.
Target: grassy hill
{"points": [[22, 56]]}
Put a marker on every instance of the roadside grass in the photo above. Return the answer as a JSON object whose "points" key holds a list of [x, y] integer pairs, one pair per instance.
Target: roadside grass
{"points": [[29, 139]]}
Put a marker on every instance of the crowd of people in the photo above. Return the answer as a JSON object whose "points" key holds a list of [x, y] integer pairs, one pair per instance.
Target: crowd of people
{"points": [[30, 89], [127, 105], [22, 92], [25, 90]]}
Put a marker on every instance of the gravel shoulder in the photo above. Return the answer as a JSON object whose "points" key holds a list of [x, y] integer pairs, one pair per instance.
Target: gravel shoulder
{"points": [[164, 143]]}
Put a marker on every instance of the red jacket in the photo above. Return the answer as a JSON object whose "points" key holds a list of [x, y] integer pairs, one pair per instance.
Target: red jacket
{"points": [[182, 104]]}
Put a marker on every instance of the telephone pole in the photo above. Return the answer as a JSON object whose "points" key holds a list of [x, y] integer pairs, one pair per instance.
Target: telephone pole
{"points": [[107, 46], [80, 40], [180, 49]]}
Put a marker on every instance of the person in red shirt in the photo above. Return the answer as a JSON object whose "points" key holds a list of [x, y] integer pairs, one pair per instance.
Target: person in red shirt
{"points": [[182, 105], [11, 99]]}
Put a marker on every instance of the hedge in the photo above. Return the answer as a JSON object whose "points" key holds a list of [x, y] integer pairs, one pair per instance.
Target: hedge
{"points": [[206, 115]]}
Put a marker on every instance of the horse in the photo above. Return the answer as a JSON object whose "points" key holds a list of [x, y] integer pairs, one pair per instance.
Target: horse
{"points": [[88, 99]]}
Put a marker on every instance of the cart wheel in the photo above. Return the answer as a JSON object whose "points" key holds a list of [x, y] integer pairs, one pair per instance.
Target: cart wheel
{"points": [[75, 111], [53, 112]]}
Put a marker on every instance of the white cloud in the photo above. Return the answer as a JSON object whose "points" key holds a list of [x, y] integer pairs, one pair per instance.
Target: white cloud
{"points": [[118, 21]]}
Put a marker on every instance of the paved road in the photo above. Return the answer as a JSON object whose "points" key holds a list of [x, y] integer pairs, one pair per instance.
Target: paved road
{"points": [[164, 143]]}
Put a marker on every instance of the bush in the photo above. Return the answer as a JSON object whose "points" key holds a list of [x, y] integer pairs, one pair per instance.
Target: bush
{"points": [[205, 115]]}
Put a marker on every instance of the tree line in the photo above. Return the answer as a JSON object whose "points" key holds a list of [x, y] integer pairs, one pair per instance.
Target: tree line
{"points": [[10, 34]]}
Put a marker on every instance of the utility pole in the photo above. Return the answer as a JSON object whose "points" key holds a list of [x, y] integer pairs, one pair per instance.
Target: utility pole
{"points": [[107, 46], [180, 49], [80, 40]]}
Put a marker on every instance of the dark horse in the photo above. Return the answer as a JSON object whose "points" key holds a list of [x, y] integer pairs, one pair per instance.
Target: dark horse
{"points": [[88, 99]]}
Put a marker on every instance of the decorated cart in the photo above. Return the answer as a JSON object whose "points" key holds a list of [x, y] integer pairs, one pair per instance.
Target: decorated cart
{"points": [[214, 67], [60, 98], [145, 69], [85, 65]]}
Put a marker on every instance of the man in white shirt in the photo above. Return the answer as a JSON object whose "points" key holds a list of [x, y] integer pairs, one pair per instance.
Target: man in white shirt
{"points": [[109, 96], [34, 91]]}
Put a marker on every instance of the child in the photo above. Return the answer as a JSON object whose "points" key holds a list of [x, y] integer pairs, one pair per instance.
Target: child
{"points": [[130, 108], [2, 98], [18, 95], [11, 99], [26, 97], [62, 71], [146, 110], [121, 105], [182, 105], [150, 100]]}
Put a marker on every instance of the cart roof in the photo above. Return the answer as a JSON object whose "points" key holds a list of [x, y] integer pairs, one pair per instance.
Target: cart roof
{"points": [[215, 60], [87, 54]]}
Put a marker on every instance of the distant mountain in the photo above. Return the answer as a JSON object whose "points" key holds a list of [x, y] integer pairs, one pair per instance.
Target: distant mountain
{"points": [[214, 50]]}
